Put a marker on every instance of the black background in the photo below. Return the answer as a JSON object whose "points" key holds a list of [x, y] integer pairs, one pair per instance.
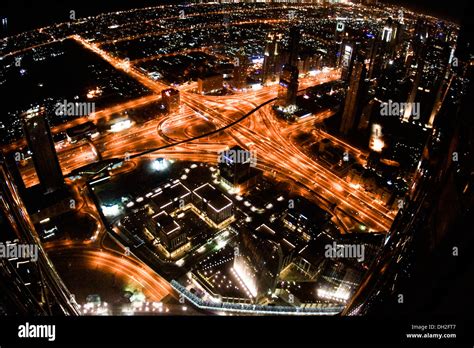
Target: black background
{"points": [[226, 331]]}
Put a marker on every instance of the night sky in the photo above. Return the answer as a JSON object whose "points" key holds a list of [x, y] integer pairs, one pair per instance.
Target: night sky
{"points": [[29, 14], [452, 9]]}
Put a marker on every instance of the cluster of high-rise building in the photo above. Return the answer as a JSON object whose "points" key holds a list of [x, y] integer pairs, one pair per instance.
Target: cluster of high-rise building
{"points": [[406, 68], [282, 65], [429, 247]]}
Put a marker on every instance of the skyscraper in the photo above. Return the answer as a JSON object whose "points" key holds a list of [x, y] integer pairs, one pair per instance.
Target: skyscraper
{"points": [[4, 26], [272, 58], [40, 143], [355, 95], [346, 58], [19, 291], [413, 91], [334, 50], [431, 81], [170, 99], [12, 164], [288, 87], [426, 261], [240, 70], [258, 271], [419, 36], [234, 165], [384, 47], [293, 45]]}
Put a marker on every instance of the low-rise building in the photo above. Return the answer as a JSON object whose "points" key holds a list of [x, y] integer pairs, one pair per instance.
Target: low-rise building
{"points": [[212, 202], [210, 84]]}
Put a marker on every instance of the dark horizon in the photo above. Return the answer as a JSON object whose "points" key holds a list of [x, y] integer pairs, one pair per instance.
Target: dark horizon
{"points": [[453, 10], [26, 15]]}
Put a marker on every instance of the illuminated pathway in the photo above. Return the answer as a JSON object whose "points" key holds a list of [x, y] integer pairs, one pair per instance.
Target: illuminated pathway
{"points": [[153, 285]]}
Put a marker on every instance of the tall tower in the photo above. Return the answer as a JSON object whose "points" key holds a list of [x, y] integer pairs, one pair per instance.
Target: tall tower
{"points": [[41, 292], [334, 50], [346, 58], [4, 26], [431, 82], [240, 70], [355, 94], [288, 86], [271, 61], [420, 36], [383, 48], [430, 223], [293, 45], [413, 91], [40, 143], [170, 99]]}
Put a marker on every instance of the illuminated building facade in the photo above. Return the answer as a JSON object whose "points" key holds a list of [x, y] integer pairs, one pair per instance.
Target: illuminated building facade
{"points": [[234, 165], [171, 235], [288, 86], [376, 138], [210, 201], [210, 84], [170, 99], [172, 197], [27, 287], [272, 57], [40, 143], [240, 70], [353, 102], [258, 271]]}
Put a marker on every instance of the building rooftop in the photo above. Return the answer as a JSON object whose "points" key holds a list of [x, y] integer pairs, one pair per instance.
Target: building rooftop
{"points": [[166, 223], [166, 195], [216, 199], [169, 92], [266, 232]]}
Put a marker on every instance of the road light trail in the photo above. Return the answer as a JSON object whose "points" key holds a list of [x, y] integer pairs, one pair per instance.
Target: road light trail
{"points": [[268, 140]]}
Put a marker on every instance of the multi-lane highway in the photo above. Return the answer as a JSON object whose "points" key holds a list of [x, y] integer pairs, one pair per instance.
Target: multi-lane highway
{"points": [[132, 271], [261, 131]]}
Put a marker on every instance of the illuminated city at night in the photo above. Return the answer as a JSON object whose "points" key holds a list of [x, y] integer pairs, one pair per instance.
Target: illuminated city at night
{"points": [[299, 162]]}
